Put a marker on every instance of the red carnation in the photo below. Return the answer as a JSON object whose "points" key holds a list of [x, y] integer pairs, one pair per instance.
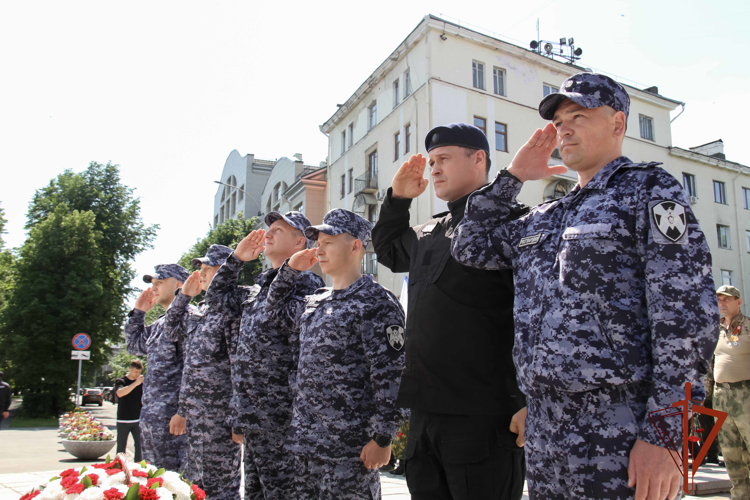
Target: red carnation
{"points": [[68, 481], [138, 473], [69, 472], [112, 472], [155, 480], [400, 435], [693, 439], [94, 478], [76, 488], [29, 496], [199, 493], [147, 493], [103, 466], [113, 494]]}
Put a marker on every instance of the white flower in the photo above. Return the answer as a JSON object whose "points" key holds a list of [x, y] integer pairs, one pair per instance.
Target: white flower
{"points": [[50, 494], [113, 480], [164, 494], [93, 493]]}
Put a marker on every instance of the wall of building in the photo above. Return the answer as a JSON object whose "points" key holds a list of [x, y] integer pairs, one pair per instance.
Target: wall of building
{"points": [[250, 175]]}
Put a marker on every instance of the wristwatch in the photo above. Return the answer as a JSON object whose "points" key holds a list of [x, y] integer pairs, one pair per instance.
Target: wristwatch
{"points": [[382, 440]]}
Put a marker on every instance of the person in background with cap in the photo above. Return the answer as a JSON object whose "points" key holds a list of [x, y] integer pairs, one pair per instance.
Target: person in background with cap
{"points": [[459, 381], [162, 429], [264, 362], [614, 309], [351, 339], [731, 373], [213, 457], [5, 396]]}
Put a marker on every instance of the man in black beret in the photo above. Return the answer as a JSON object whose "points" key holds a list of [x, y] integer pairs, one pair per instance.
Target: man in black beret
{"points": [[459, 381]]}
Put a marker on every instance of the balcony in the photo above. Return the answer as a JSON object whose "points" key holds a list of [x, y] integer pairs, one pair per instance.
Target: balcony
{"points": [[365, 184]]}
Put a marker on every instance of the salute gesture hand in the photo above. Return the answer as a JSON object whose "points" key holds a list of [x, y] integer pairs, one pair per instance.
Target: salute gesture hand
{"points": [[531, 163], [303, 260], [409, 181], [192, 285], [146, 300], [251, 246]]}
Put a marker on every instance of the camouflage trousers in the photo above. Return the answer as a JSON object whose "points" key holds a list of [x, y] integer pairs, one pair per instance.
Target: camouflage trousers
{"points": [[161, 448], [347, 479], [272, 465], [578, 444], [214, 459], [253, 489], [734, 435]]}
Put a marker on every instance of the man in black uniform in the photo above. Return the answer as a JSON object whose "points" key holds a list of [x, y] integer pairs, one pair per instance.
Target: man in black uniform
{"points": [[459, 381]]}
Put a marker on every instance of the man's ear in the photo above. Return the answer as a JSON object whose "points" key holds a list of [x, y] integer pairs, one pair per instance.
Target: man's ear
{"points": [[357, 245], [621, 123]]}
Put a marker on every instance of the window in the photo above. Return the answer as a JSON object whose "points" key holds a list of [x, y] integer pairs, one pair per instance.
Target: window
{"points": [[351, 134], [351, 180], [726, 277], [370, 263], [216, 220], [407, 138], [372, 213], [241, 195], [343, 142], [549, 89], [556, 154], [407, 84], [688, 182], [720, 192], [396, 146], [372, 165], [221, 213], [501, 137], [395, 93], [300, 207], [724, 238], [280, 188], [747, 240], [372, 115], [343, 185], [647, 127], [478, 74], [746, 198], [498, 81], [234, 203], [481, 124]]}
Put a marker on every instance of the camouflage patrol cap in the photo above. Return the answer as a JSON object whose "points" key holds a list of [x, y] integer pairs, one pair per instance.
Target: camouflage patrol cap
{"points": [[340, 221], [456, 134], [728, 290], [295, 219], [589, 90], [216, 256], [164, 271]]}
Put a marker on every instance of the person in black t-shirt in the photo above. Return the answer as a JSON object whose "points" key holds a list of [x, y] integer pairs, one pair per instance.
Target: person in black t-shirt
{"points": [[129, 391]]}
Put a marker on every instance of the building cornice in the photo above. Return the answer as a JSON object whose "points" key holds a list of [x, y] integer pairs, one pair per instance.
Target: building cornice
{"points": [[709, 160]]}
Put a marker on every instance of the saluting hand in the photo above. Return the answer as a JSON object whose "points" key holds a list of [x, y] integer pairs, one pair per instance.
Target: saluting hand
{"points": [[409, 181], [146, 300], [531, 162], [251, 246], [192, 285], [303, 260]]}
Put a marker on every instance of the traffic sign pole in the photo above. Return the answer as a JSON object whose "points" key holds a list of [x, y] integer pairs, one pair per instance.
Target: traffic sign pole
{"points": [[81, 341], [78, 390]]}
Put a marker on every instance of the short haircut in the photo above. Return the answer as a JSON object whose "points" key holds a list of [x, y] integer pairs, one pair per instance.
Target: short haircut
{"points": [[134, 363], [471, 151]]}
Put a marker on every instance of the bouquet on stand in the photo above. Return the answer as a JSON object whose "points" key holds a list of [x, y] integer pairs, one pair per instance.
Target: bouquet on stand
{"points": [[82, 426], [117, 480]]}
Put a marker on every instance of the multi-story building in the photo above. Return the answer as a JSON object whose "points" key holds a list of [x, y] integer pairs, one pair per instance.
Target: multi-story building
{"points": [[443, 73], [243, 179]]}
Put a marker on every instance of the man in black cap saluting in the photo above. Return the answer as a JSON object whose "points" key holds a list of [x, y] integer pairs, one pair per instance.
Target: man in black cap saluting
{"points": [[162, 429], [615, 308], [459, 380]]}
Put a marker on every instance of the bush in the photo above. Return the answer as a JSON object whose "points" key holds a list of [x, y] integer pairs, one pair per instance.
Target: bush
{"points": [[44, 404]]}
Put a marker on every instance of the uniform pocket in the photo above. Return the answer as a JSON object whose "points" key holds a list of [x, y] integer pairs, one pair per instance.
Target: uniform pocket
{"points": [[465, 451]]}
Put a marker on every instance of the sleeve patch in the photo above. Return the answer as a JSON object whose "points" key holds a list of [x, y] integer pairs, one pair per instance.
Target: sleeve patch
{"points": [[394, 335], [668, 222]]}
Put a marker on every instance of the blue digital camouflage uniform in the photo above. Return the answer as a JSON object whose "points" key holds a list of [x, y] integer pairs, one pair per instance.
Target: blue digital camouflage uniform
{"points": [[213, 459], [350, 362], [263, 365], [161, 386], [614, 313]]}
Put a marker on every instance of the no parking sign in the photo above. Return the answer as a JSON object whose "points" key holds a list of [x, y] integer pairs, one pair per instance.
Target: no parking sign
{"points": [[81, 341]]}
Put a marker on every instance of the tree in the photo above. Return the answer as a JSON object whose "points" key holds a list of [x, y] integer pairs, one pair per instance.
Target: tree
{"points": [[120, 363], [73, 275], [7, 265], [228, 233]]}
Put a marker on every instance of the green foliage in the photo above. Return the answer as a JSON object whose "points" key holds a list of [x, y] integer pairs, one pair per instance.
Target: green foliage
{"points": [[72, 275], [399, 444], [40, 405], [20, 422], [121, 361], [228, 233]]}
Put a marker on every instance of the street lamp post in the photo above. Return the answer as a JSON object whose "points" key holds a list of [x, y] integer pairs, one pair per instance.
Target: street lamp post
{"points": [[260, 210]]}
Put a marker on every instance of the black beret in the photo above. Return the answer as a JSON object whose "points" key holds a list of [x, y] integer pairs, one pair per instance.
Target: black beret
{"points": [[456, 134]]}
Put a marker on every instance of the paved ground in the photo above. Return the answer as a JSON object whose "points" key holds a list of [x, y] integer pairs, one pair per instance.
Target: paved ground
{"points": [[32, 456]]}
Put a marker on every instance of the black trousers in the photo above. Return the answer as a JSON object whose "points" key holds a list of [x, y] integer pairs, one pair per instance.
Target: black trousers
{"points": [[462, 457], [123, 430]]}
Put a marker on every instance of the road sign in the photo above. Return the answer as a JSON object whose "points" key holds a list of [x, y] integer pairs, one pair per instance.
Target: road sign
{"points": [[81, 341], [85, 355]]}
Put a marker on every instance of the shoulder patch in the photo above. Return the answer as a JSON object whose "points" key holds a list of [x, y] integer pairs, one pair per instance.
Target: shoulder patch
{"points": [[668, 222], [394, 335]]}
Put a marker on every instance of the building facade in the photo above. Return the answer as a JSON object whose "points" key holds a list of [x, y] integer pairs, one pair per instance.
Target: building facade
{"points": [[444, 73], [243, 179]]}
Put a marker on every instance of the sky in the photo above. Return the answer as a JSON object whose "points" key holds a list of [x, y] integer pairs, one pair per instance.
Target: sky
{"points": [[168, 89]]}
